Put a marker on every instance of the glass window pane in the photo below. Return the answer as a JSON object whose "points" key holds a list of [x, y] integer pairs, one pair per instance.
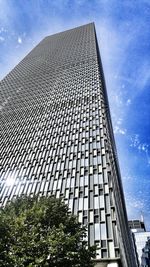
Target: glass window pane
{"points": [[86, 180], [111, 249], [103, 230], [96, 204], [102, 213], [91, 235], [101, 201], [81, 181], [86, 203], [97, 231], [91, 216], [80, 203]]}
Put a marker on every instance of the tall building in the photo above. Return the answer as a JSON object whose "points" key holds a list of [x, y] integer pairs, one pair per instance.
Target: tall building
{"points": [[57, 138]]}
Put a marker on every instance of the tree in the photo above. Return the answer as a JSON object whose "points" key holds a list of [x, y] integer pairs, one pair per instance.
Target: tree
{"points": [[42, 233]]}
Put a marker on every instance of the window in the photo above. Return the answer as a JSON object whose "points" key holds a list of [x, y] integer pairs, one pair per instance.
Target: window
{"points": [[97, 231], [80, 203], [86, 203], [103, 230]]}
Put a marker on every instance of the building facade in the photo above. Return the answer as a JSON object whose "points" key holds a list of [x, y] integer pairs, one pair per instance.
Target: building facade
{"points": [[145, 259], [57, 138], [137, 225], [141, 242]]}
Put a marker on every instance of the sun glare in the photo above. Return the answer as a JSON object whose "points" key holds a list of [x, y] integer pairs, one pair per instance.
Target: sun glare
{"points": [[10, 180]]}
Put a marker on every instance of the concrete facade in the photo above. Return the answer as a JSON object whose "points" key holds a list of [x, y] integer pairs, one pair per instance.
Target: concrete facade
{"points": [[57, 138]]}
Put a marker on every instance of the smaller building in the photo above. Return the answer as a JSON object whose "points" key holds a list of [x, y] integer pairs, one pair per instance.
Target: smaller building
{"points": [[145, 260], [140, 237], [137, 225], [140, 241]]}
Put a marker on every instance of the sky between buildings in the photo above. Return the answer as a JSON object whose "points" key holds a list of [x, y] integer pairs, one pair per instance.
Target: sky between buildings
{"points": [[124, 40]]}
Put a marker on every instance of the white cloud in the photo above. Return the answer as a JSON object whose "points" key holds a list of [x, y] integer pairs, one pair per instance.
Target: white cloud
{"points": [[140, 146], [6, 13], [128, 102], [2, 39], [134, 204], [119, 122], [19, 40], [118, 130], [135, 142], [2, 30], [143, 147]]}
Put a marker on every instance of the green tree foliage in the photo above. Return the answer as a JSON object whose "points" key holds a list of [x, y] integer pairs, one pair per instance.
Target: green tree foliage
{"points": [[42, 233]]}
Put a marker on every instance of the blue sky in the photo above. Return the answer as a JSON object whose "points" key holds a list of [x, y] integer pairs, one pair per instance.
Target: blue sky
{"points": [[124, 39]]}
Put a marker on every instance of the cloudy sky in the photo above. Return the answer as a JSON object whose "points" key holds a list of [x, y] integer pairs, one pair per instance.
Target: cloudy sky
{"points": [[124, 39]]}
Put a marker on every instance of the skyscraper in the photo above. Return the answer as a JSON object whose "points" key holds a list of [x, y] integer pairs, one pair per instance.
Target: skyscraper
{"points": [[57, 138]]}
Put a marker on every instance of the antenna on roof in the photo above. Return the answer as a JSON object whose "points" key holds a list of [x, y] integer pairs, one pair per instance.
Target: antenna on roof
{"points": [[142, 217]]}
